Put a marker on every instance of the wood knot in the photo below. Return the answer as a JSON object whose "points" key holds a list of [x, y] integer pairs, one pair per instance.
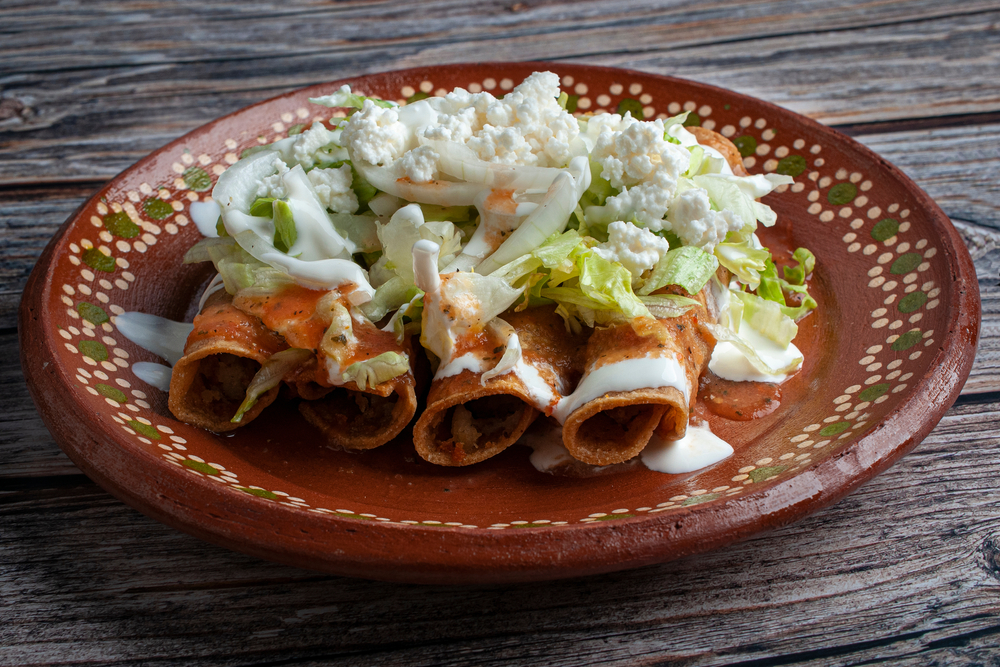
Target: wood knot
{"points": [[11, 108], [990, 551]]}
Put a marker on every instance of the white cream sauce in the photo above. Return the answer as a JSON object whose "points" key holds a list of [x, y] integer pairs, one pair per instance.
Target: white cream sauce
{"points": [[549, 453], [467, 362], [539, 391], [729, 363], [324, 274], [317, 238], [153, 374], [205, 215], [162, 337], [699, 448], [625, 375]]}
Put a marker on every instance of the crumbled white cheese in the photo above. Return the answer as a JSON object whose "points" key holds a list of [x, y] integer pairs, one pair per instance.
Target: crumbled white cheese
{"points": [[374, 134], [271, 186], [309, 143], [333, 188], [630, 155], [526, 127], [419, 165], [647, 202], [456, 124], [634, 248], [691, 217]]}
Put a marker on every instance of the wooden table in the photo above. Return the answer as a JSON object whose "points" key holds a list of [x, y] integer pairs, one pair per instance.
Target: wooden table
{"points": [[906, 570]]}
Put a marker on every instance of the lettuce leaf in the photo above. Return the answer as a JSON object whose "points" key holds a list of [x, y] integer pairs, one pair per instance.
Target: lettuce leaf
{"points": [[664, 306], [806, 263], [743, 257], [285, 233], [610, 283], [773, 288], [269, 376], [766, 317], [375, 371], [389, 296], [688, 266]]}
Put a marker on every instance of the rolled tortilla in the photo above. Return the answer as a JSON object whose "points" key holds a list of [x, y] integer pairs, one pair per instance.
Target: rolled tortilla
{"points": [[355, 418], [222, 354], [349, 416], [467, 420], [635, 385]]}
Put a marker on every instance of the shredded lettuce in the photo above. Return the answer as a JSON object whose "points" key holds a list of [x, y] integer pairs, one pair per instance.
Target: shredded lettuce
{"points": [[262, 207], [199, 251], [406, 227], [269, 376], [688, 267], [407, 320], [611, 284], [285, 234], [389, 296], [550, 217], [743, 256], [375, 371], [773, 288], [767, 318], [664, 306], [796, 275], [345, 98]]}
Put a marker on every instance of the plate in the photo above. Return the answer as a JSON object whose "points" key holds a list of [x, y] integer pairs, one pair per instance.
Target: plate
{"points": [[887, 354]]}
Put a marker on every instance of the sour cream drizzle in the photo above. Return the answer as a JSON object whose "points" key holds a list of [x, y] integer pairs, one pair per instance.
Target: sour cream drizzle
{"points": [[625, 375], [162, 337], [699, 448], [539, 391], [205, 215], [729, 363], [467, 362], [153, 374]]}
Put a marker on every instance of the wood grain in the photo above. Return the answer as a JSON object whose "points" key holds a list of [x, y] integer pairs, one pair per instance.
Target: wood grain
{"points": [[906, 570], [88, 107], [819, 589]]}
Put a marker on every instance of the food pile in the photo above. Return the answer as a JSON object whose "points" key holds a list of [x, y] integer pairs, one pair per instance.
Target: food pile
{"points": [[491, 261]]}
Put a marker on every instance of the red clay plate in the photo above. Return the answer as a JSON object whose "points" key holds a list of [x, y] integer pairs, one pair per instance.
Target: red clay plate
{"points": [[888, 352]]}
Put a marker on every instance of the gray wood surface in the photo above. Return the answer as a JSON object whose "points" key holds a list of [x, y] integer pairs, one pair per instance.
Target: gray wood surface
{"points": [[905, 571]]}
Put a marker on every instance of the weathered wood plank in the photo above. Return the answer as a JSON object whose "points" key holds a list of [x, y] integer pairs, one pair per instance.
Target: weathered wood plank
{"points": [[920, 541], [100, 114], [178, 31], [906, 570], [26, 447], [984, 245]]}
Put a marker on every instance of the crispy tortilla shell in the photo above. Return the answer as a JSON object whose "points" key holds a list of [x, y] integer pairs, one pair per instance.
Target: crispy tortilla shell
{"points": [[355, 419], [615, 427], [466, 422], [222, 354]]}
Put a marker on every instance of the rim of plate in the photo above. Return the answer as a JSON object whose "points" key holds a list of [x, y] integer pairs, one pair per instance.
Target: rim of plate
{"points": [[418, 554]]}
